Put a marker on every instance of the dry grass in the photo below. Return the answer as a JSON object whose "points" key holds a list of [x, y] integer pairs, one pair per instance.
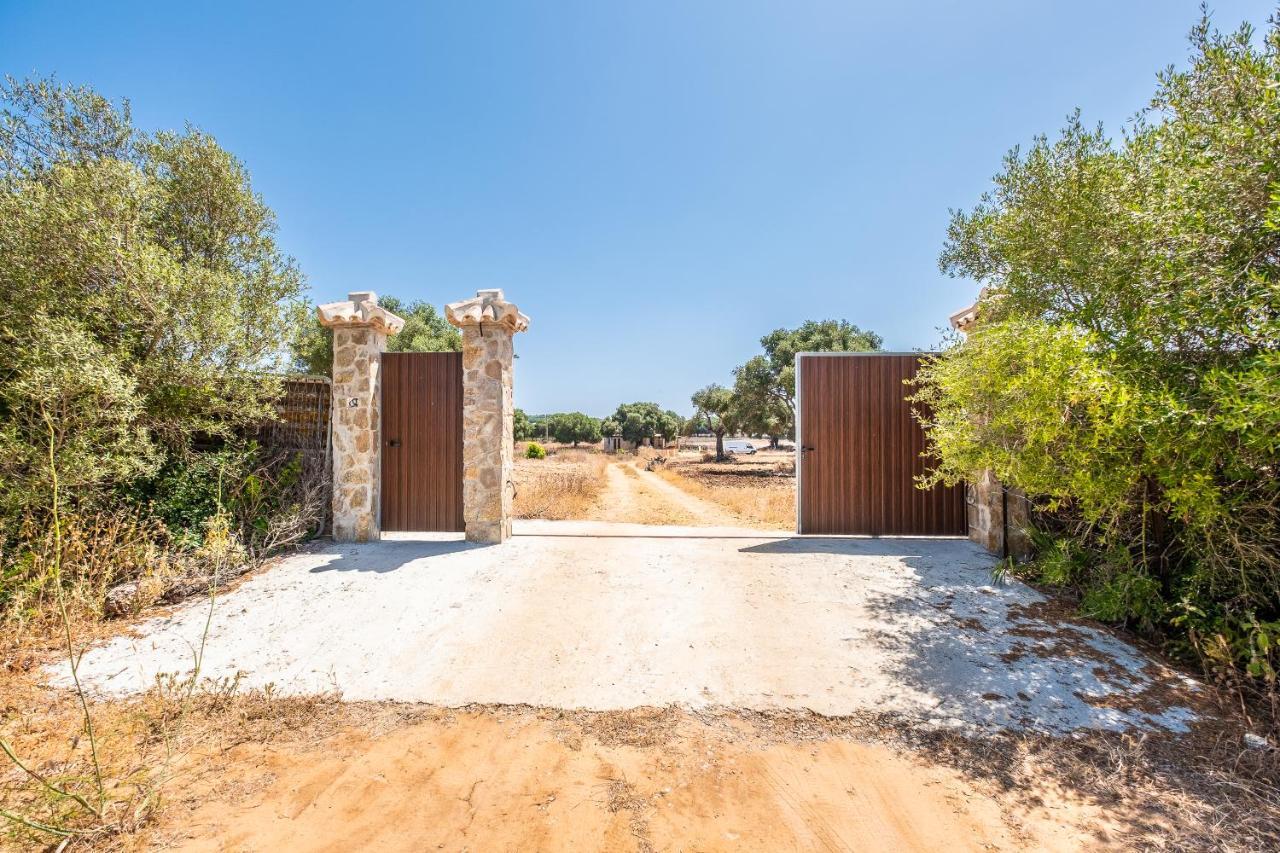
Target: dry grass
{"points": [[759, 489], [77, 772], [97, 551], [101, 786], [83, 773], [149, 754], [564, 485]]}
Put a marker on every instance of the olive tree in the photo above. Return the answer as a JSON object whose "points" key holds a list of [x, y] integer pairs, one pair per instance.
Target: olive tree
{"points": [[1124, 368], [766, 384], [521, 428], [574, 427], [716, 408], [637, 421], [153, 292]]}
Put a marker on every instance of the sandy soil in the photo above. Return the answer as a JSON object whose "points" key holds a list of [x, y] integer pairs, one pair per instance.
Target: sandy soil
{"points": [[567, 486], [518, 780]]}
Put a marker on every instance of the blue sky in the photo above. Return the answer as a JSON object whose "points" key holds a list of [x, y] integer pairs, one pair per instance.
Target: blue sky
{"points": [[656, 184]]}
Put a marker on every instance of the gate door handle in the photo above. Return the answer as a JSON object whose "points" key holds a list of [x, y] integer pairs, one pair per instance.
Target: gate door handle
{"points": [[807, 449], [393, 442]]}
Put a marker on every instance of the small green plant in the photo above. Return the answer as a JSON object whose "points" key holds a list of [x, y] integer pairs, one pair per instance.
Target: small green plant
{"points": [[535, 451], [186, 492]]}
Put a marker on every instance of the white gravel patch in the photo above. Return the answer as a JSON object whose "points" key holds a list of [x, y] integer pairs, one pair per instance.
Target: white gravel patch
{"points": [[610, 616]]}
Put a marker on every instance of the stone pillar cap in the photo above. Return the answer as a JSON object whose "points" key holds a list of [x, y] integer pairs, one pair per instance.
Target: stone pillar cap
{"points": [[966, 318], [487, 306], [361, 308]]}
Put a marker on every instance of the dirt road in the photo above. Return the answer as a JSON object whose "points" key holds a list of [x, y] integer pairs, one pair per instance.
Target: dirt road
{"points": [[632, 494], [516, 779]]}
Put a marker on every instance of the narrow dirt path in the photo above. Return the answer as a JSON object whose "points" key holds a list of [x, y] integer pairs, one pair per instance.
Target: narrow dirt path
{"points": [[635, 495], [706, 512]]}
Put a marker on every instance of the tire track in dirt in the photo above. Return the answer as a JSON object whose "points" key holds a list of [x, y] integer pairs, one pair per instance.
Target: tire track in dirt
{"points": [[638, 496]]}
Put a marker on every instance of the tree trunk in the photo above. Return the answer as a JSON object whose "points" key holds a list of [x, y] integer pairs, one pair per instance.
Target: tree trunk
{"points": [[720, 446]]}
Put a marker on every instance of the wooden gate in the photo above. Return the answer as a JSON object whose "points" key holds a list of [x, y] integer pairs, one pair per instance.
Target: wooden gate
{"points": [[860, 451], [422, 441]]}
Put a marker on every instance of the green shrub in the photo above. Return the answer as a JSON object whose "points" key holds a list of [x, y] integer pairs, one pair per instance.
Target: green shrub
{"points": [[153, 297], [153, 302], [1125, 368], [190, 489], [1125, 595], [281, 500], [535, 451]]}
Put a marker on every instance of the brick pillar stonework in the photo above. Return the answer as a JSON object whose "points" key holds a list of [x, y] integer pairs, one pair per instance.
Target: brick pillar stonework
{"points": [[488, 323], [360, 328]]}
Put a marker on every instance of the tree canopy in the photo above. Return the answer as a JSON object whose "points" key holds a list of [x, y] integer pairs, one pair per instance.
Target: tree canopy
{"points": [[716, 408], [638, 421], [425, 330], [574, 428], [152, 292], [765, 385], [521, 427], [1124, 368]]}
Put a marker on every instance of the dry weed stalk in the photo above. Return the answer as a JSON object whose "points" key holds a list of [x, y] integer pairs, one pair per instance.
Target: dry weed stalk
{"points": [[106, 811], [73, 661]]}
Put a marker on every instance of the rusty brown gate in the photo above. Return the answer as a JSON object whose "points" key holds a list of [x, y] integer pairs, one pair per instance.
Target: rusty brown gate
{"points": [[860, 451], [422, 441]]}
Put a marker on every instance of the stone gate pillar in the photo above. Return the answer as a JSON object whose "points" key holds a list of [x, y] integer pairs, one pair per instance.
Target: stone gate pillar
{"points": [[488, 323], [360, 328]]}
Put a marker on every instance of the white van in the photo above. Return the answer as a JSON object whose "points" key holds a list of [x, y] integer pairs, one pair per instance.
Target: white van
{"points": [[743, 447]]}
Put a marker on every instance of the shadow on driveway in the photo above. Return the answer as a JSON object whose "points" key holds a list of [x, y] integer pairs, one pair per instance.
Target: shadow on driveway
{"points": [[864, 546], [390, 555], [995, 654]]}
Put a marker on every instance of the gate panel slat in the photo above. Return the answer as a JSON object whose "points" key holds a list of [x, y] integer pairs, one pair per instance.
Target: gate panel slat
{"points": [[859, 478]]}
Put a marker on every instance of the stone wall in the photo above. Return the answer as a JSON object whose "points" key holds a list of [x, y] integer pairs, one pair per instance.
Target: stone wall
{"points": [[488, 323], [998, 517], [360, 329]]}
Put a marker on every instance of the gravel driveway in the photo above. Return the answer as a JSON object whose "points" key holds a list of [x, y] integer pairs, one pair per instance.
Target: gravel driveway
{"points": [[607, 616]]}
